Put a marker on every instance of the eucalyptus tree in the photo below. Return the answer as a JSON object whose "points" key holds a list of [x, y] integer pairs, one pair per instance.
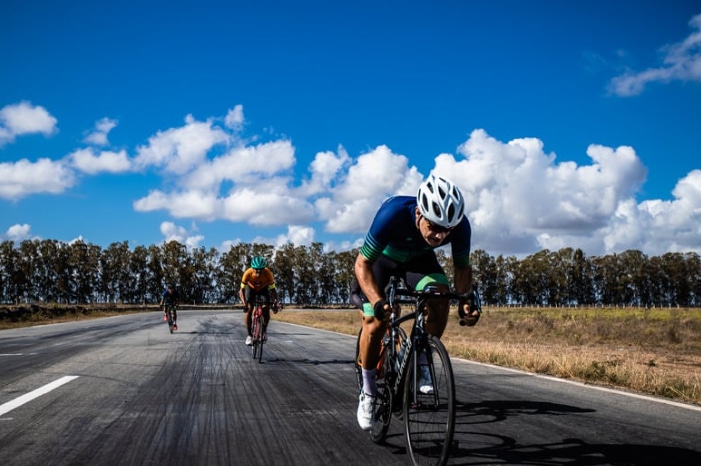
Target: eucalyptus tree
{"points": [[676, 268], [580, 288], [503, 278], [10, 273], [694, 267], [155, 280], [204, 262], [345, 273], [326, 286], [633, 279], [174, 261], [232, 264], [304, 276], [29, 288], [84, 267], [485, 275], [609, 286], [114, 263], [531, 279], [283, 270], [46, 275], [141, 275]]}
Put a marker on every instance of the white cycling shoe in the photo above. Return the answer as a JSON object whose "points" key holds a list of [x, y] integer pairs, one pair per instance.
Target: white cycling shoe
{"points": [[365, 411], [425, 383]]}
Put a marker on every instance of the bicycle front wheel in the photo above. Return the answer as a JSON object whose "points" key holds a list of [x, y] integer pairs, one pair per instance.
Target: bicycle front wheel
{"points": [[255, 331], [429, 405], [170, 319], [261, 338]]}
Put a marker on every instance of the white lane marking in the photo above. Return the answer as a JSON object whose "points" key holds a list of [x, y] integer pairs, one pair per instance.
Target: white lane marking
{"points": [[17, 402]]}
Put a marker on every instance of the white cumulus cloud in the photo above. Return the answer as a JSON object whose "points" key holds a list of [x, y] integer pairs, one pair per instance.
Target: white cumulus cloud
{"points": [[91, 162], [24, 118], [22, 178]]}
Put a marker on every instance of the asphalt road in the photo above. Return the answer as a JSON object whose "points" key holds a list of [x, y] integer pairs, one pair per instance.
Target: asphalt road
{"points": [[123, 391]]}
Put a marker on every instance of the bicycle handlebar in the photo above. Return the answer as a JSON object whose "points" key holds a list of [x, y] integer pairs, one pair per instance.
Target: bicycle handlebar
{"points": [[430, 292], [394, 289]]}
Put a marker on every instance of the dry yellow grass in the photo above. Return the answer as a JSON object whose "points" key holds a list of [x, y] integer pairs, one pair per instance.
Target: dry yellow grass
{"points": [[653, 352]]}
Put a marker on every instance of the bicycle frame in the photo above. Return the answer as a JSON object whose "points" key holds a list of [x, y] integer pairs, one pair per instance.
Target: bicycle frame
{"points": [[170, 309], [418, 332], [257, 323]]}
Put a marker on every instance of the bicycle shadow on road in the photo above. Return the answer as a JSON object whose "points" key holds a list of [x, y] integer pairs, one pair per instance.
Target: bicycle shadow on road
{"points": [[474, 447], [505, 450], [498, 410]]}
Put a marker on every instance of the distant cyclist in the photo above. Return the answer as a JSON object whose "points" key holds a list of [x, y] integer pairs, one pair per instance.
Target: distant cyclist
{"points": [[258, 280], [170, 297], [401, 242]]}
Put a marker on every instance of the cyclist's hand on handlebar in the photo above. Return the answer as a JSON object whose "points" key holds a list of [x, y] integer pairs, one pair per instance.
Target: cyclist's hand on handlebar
{"points": [[468, 311], [276, 307], [380, 307]]}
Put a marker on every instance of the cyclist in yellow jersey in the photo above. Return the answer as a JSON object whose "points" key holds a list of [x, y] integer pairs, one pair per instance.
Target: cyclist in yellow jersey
{"points": [[258, 280]]}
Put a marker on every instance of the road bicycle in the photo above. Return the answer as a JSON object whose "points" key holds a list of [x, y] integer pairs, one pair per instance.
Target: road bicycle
{"points": [[170, 314], [428, 412], [258, 328]]}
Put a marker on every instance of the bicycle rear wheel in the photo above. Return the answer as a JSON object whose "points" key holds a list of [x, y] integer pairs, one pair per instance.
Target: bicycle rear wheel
{"points": [[382, 407], [383, 401], [429, 418]]}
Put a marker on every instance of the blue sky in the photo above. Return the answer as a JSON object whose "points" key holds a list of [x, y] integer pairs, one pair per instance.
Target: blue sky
{"points": [[566, 124]]}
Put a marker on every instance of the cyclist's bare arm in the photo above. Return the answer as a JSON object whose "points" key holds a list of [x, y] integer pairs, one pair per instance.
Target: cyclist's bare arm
{"points": [[366, 279], [242, 296]]}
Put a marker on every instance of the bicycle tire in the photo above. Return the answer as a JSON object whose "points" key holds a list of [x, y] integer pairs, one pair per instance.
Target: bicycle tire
{"points": [[429, 419], [254, 333], [169, 311], [261, 340], [356, 363]]}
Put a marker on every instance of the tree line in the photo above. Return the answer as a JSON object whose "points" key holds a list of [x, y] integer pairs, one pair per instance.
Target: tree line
{"points": [[51, 271]]}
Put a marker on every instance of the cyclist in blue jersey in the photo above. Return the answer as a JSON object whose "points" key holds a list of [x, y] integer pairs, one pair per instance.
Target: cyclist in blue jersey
{"points": [[170, 297], [401, 242]]}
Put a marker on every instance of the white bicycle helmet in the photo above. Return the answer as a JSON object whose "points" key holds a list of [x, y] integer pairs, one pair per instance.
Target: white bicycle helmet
{"points": [[440, 201]]}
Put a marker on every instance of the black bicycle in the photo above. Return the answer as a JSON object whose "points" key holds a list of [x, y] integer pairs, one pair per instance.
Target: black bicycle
{"points": [[258, 328], [170, 314], [427, 404]]}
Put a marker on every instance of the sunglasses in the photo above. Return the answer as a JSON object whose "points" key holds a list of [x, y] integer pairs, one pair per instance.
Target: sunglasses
{"points": [[258, 270], [437, 228]]}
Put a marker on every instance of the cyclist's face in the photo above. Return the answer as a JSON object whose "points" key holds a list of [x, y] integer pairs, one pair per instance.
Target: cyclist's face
{"points": [[258, 271], [433, 234]]}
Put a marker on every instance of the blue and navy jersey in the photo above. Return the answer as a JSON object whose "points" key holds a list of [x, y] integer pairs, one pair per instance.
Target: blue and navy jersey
{"points": [[393, 233], [170, 298]]}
